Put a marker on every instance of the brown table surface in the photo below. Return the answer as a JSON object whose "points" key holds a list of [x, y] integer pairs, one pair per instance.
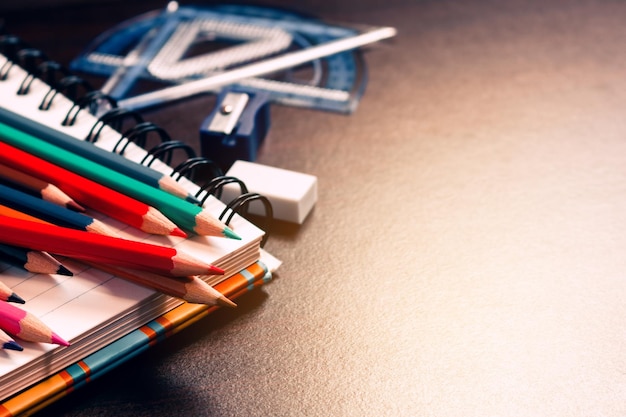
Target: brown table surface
{"points": [[466, 253]]}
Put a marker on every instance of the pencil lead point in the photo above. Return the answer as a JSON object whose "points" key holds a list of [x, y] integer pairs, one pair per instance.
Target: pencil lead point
{"points": [[228, 232], [58, 340], [73, 205], [178, 232], [12, 345], [14, 298], [225, 302], [64, 271], [214, 270], [193, 199]]}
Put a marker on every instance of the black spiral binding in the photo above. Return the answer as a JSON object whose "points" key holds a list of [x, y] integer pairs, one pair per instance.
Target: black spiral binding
{"points": [[239, 204], [92, 101], [10, 45], [190, 167], [213, 185], [51, 72], [138, 134], [69, 87], [84, 96], [113, 118], [29, 59]]}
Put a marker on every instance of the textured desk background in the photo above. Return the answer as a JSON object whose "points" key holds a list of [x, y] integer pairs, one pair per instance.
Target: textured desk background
{"points": [[466, 255]]}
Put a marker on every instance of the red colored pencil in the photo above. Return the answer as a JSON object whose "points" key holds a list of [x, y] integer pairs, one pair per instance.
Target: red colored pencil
{"points": [[103, 199], [100, 248], [26, 326]]}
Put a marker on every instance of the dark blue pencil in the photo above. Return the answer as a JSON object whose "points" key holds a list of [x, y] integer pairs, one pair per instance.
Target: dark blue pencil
{"points": [[33, 261], [50, 212]]}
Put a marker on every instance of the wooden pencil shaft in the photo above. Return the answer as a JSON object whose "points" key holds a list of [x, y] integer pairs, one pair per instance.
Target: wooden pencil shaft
{"points": [[5, 291], [79, 244], [180, 211]]}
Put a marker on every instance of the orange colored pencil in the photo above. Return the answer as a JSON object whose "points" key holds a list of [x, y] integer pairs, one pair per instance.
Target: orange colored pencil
{"points": [[16, 214], [102, 249], [110, 202]]}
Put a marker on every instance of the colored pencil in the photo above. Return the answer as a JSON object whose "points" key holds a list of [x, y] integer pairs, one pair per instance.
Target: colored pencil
{"points": [[16, 214], [191, 289], [42, 189], [7, 294], [94, 153], [50, 212], [112, 203], [8, 342], [34, 261], [100, 248], [185, 214], [27, 326]]}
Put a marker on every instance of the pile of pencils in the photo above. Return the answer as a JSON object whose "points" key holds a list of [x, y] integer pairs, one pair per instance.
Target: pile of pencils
{"points": [[49, 181]]}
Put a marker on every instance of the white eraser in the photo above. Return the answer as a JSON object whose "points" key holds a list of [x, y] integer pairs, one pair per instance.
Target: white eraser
{"points": [[292, 194]]}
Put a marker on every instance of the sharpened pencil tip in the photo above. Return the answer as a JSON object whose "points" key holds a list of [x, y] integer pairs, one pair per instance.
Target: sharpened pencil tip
{"points": [[73, 205], [58, 340], [64, 271], [214, 270], [178, 232], [12, 345], [14, 298], [228, 232], [193, 199], [225, 302]]}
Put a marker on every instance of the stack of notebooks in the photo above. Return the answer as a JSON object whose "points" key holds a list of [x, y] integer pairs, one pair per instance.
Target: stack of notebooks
{"points": [[106, 319]]}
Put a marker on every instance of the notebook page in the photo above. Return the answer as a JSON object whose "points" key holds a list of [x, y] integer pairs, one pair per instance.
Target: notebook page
{"points": [[93, 308]]}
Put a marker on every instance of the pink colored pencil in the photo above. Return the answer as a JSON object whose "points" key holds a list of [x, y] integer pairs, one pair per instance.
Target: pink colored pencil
{"points": [[26, 326]]}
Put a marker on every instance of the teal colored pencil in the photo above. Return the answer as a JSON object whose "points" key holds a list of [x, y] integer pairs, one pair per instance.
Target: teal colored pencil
{"points": [[186, 215]]}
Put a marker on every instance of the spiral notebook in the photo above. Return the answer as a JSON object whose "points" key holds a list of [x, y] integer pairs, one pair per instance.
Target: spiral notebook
{"points": [[98, 313]]}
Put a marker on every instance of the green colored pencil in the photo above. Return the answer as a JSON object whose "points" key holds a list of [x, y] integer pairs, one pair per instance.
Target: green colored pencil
{"points": [[185, 214]]}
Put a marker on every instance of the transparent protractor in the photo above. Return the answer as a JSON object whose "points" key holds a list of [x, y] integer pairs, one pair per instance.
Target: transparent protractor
{"points": [[333, 83]]}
